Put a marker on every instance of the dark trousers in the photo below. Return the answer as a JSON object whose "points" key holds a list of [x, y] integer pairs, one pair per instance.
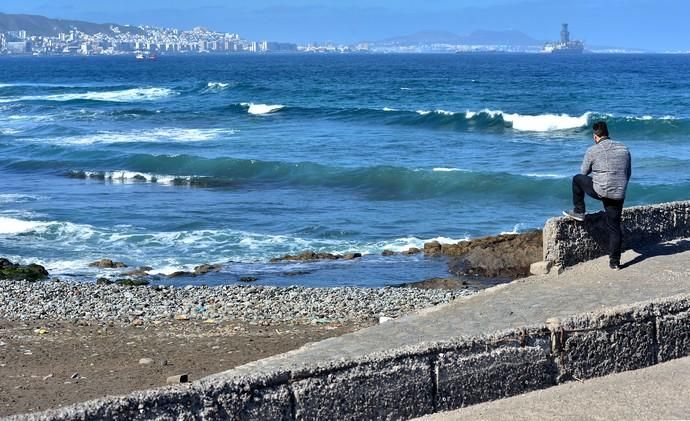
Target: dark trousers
{"points": [[614, 208]]}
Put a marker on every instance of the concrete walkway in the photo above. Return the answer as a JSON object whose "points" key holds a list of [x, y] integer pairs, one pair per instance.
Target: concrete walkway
{"points": [[656, 272], [659, 392]]}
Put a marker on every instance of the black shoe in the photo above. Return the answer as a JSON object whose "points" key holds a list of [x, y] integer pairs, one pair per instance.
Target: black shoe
{"points": [[614, 266], [575, 215]]}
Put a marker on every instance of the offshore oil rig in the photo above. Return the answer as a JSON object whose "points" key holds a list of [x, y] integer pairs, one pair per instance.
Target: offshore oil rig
{"points": [[565, 46]]}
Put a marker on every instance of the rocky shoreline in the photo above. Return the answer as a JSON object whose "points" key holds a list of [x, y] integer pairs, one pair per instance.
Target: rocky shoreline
{"points": [[472, 265], [503, 257], [59, 300]]}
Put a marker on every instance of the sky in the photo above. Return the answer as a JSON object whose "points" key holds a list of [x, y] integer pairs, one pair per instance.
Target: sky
{"points": [[647, 24]]}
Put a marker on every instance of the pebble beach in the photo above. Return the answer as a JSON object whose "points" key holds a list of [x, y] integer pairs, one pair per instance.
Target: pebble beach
{"points": [[60, 300], [67, 341]]}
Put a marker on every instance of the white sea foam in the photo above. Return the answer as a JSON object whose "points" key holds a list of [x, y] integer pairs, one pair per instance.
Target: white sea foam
{"points": [[7, 131], [153, 135], [448, 169], [29, 117], [12, 226], [516, 229], [405, 243], [127, 177], [170, 269], [439, 112], [261, 109], [17, 226], [389, 109], [542, 175], [217, 85], [169, 252], [22, 214], [17, 198], [546, 122], [646, 117], [405, 89], [126, 95], [537, 123]]}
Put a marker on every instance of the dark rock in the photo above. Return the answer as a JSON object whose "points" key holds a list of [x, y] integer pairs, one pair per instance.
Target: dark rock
{"points": [[132, 282], [411, 251], [104, 281], [4, 263], [297, 273], [198, 271], [206, 268], [179, 274], [502, 256], [307, 256], [351, 256], [248, 279], [437, 283], [107, 264], [321, 256], [16, 272], [388, 253], [432, 248], [141, 271], [139, 177]]}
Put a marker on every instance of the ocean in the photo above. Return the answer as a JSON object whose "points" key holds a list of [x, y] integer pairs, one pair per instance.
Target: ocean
{"points": [[238, 159]]}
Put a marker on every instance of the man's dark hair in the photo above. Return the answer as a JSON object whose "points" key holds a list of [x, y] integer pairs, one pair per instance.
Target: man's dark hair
{"points": [[600, 129]]}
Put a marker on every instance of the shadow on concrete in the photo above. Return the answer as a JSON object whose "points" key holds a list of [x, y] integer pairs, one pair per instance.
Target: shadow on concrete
{"points": [[664, 249]]}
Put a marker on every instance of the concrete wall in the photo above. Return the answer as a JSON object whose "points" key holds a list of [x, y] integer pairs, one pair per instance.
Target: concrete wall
{"points": [[568, 242], [424, 378]]}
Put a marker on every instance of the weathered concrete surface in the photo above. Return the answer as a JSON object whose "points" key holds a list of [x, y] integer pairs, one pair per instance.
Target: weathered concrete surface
{"points": [[618, 339], [659, 392], [243, 397], [492, 375], [258, 390], [674, 336], [395, 389], [568, 242]]}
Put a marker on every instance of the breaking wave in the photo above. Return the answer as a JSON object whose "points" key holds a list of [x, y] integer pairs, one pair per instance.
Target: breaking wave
{"points": [[153, 135], [261, 109], [377, 182], [124, 95], [162, 250], [217, 86], [131, 177], [374, 183], [47, 229]]}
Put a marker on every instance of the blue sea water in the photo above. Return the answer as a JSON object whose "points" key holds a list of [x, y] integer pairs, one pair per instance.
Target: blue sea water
{"points": [[238, 159]]}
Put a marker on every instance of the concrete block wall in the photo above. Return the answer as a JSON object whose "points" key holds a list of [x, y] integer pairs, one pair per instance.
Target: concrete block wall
{"points": [[568, 242], [399, 388], [423, 378], [464, 381]]}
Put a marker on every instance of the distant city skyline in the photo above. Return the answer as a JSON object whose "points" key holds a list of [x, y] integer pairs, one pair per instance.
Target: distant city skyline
{"points": [[647, 24]]}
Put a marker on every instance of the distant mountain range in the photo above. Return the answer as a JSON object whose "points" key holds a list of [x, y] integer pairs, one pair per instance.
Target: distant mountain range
{"points": [[510, 37], [43, 26]]}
